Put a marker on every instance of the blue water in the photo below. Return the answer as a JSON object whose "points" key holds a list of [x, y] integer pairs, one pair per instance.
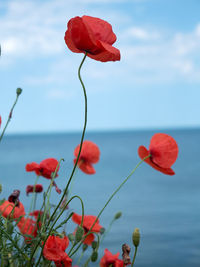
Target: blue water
{"points": [[165, 208]]}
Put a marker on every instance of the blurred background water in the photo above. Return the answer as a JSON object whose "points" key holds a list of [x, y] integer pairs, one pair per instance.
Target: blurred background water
{"points": [[165, 208]]}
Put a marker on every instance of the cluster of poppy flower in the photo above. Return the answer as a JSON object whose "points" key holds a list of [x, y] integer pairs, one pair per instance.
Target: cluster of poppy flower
{"points": [[162, 153], [93, 37]]}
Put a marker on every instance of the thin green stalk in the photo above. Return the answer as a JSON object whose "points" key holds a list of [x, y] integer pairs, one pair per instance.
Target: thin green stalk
{"points": [[108, 229], [15, 245], [80, 258], [33, 196], [134, 257], [81, 143], [9, 117], [82, 137], [82, 206], [110, 198], [49, 194]]}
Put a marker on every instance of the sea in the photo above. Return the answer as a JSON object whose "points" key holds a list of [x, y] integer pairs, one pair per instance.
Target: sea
{"points": [[165, 208]]}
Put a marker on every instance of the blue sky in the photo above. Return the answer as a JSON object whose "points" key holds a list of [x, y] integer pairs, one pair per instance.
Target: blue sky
{"points": [[155, 85]]}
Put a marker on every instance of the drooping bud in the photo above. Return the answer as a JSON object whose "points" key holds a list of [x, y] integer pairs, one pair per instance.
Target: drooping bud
{"points": [[94, 256], [18, 91], [10, 228], [118, 215], [14, 197], [71, 237], [84, 247], [102, 230], [79, 233], [136, 237], [94, 244]]}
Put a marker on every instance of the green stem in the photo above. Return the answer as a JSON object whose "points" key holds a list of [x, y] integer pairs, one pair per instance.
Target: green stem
{"points": [[134, 257], [80, 258], [33, 196], [82, 206], [110, 198], [108, 229], [49, 194], [9, 118], [81, 143], [15, 245]]}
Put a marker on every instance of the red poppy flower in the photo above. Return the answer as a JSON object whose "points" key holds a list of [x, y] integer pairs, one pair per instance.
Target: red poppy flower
{"points": [[45, 168], [30, 189], [163, 150], [88, 221], [92, 35], [28, 226], [90, 154], [110, 259], [6, 209], [54, 250]]}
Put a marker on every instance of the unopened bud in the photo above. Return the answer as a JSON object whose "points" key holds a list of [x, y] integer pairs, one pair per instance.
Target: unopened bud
{"points": [[71, 237], [118, 215], [136, 237], [94, 256], [18, 91], [84, 247], [0, 188], [94, 244], [102, 230], [10, 228], [79, 233]]}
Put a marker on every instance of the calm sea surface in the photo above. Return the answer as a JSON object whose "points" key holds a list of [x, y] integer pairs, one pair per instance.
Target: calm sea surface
{"points": [[165, 208]]}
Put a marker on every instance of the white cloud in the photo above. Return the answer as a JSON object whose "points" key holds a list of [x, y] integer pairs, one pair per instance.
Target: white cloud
{"points": [[140, 33]]}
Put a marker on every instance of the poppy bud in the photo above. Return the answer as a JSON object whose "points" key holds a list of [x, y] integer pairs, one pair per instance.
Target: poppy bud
{"points": [[102, 230], [94, 256], [79, 233], [0, 188], [94, 244], [136, 237], [84, 247], [71, 237], [10, 228], [118, 215], [43, 236], [18, 91]]}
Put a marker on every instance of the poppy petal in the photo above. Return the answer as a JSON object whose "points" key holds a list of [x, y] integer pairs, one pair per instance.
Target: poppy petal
{"points": [[33, 166], [89, 239], [164, 150], [108, 53], [87, 168], [101, 29], [82, 37], [143, 152]]}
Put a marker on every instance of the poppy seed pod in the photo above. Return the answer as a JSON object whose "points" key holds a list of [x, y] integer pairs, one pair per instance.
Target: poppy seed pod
{"points": [[94, 256], [118, 215], [94, 244], [18, 91], [84, 247], [136, 237]]}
